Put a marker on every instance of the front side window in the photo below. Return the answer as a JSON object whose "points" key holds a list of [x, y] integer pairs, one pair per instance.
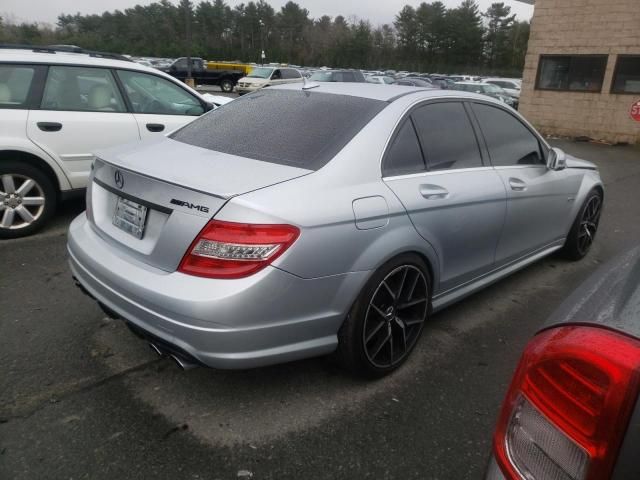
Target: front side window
{"points": [[154, 95], [580, 73], [447, 136], [626, 78], [15, 82], [509, 141], [404, 155], [81, 89]]}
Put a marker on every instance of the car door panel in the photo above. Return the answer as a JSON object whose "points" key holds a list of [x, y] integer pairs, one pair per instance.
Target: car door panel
{"points": [[538, 199], [460, 214], [458, 205], [80, 134], [538, 206]]}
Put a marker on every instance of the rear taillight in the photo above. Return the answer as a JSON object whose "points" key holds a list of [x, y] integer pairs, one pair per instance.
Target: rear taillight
{"points": [[568, 406], [236, 250]]}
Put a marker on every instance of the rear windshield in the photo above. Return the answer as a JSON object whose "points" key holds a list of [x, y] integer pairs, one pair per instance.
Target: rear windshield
{"points": [[303, 129]]}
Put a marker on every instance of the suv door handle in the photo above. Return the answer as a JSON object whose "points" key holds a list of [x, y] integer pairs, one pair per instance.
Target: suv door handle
{"points": [[49, 126], [433, 192], [155, 127], [517, 185]]}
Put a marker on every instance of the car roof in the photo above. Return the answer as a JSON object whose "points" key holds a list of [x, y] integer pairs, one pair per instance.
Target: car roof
{"points": [[374, 91], [68, 58]]}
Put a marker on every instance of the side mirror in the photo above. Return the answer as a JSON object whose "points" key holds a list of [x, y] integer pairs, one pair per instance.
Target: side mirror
{"points": [[208, 106], [557, 159]]}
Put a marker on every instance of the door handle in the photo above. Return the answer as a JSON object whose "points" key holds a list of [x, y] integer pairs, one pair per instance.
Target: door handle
{"points": [[433, 192], [155, 127], [49, 126], [517, 185]]}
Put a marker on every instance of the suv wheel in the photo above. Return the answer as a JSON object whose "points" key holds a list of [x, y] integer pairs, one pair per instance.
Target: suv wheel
{"points": [[27, 199], [226, 85], [386, 320]]}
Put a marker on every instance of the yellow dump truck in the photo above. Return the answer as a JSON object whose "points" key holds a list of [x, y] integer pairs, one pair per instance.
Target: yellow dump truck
{"points": [[240, 67]]}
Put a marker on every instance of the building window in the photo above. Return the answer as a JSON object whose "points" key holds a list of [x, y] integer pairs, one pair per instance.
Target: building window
{"points": [[579, 73], [626, 78]]}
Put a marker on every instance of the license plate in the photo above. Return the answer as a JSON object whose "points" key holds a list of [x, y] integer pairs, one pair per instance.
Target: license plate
{"points": [[130, 217]]}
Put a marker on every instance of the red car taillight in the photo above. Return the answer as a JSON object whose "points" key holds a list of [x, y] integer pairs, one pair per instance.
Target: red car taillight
{"points": [[236, 250], [568, 406]]}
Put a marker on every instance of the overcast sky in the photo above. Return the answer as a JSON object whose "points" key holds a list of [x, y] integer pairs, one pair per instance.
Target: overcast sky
{"points": [[377, 11]]}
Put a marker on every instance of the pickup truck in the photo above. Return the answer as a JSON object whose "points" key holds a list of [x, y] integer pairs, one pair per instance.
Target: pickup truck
{"points": [[225, 79]]}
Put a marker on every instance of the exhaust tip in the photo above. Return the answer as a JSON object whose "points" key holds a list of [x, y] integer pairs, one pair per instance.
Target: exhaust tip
{"points": [[182, 363], [155, 348]]}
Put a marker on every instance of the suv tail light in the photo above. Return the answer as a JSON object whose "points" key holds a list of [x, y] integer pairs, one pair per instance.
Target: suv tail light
{"points": [[236, 250], [568, 406]]}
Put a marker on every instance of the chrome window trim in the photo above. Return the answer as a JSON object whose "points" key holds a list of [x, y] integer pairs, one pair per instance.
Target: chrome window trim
{"points": [[438, 172]]}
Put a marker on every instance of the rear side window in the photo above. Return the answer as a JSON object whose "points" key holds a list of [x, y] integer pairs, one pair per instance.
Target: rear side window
{"points": [[15, 82], [508, 140], [447, 136], [303, 129], [404, 155], [289, 73], [81, 89]]}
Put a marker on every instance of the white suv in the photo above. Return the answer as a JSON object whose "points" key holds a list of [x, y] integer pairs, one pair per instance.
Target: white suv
{"points": [[57, 107]]}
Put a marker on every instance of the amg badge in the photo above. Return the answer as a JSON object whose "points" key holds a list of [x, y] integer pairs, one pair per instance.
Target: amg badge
{"points": [[191, 206]]}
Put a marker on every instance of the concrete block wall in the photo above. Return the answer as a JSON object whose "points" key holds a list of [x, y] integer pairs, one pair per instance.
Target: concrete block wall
{"points": [[610, 27]]}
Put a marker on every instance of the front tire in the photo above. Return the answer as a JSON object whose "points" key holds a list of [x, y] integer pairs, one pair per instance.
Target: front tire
{"points": [[584, 228], [27, 199], [226, 85], [385, 323]]}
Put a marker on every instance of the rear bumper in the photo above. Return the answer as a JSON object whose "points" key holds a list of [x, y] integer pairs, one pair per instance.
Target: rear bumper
{"points": [[270, 317]]}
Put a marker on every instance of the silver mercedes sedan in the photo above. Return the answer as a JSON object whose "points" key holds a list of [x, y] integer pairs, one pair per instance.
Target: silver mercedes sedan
{"points": [[306, 220]]}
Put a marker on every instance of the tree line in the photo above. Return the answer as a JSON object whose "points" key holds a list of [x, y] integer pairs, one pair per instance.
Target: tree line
{"points": [[428, 38]]}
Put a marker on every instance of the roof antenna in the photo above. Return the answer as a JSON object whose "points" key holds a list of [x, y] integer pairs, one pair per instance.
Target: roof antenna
{"points": [[308, 85]]}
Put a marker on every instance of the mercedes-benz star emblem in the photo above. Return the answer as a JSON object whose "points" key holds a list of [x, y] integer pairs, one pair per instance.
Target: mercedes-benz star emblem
{"points": [[119, 178]]}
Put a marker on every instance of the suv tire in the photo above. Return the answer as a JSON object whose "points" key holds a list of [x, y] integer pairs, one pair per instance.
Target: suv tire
{"points": [[27, 199]]}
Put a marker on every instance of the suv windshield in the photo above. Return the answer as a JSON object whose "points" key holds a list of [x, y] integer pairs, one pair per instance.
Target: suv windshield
{"points": [[288, 127], [260, 73], [322, 77]]}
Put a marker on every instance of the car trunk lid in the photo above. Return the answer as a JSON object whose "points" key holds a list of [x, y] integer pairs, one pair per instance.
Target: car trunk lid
{"points": [[151, 200]]}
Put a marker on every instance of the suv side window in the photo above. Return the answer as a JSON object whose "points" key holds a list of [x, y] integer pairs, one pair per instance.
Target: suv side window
{"points": [[277, 75], [509, 141], [404, 155], [447, 136], [81, 89], [15, 82], [154, 95], [290, 73]]}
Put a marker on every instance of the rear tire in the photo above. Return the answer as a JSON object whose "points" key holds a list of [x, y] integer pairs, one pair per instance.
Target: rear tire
{"points": [[584, 228], [386, 321], [226, 85], [27, 199]]}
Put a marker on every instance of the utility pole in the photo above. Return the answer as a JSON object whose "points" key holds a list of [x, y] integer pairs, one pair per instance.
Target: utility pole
{"points": [[187, 28], [262, 55]]}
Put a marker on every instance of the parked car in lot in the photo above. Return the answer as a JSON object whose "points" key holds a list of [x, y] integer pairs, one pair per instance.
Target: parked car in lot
{"points": [[485, 89], [261, 77], [512, 87], [225, 79], [57, 107], [380, 79], [415, 82], [338, 76], [338, 230], [572, 410]]}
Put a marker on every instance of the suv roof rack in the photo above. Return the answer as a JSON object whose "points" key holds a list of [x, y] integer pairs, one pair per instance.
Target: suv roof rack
{"points": [[65, 49]]}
